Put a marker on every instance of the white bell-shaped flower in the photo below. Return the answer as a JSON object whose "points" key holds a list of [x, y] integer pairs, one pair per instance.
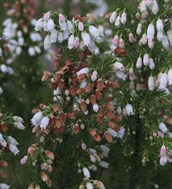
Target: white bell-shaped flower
{"points": [[44, 122], [163, 127], [112, 18], [151, 83], [129, 109], [86, 172], [163, 81]]}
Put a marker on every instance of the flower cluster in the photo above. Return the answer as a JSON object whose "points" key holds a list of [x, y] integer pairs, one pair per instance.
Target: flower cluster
{"points": [[79, 93], [19, 29], [96, 156], [158, 29], [77, 34], [141, 70], [42, 160], [7, 142], [84, 110]]}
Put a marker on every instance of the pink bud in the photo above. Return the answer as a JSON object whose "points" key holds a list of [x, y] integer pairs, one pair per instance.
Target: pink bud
{"points": [[83, 146], [116, 40], [46, 16], [92, 158], [44, 166], [61, 18], [163, 151]]}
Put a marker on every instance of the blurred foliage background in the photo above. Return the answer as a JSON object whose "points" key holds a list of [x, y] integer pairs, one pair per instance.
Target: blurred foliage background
{"points": [[26, 91]]}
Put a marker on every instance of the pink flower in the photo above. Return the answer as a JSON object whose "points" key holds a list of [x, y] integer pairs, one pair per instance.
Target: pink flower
{"points": [[83, 146], [92, 158], [163, 151]]}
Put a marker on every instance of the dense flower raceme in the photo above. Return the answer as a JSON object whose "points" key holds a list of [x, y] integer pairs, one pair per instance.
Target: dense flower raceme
{"points": [[79, 93], [76, 32], [18, 29], [7, 142], [84, 103], [141, 70]]}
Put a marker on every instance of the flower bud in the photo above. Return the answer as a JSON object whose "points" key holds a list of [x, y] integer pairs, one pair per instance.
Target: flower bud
{"points": [[94, 76], [47, 42], [116, 40], [76, 42], [123, 18], [112, 18], [151, 83], [155, 7], [13, 149], [117, 21], [86, 38], [163, 160], [163, 151], [86, 172], [146, 59], [139, 63], [50, 25], [71, 42], [159, 25], [80, 26], [53, 36], [151, 31], [24, 160], [129, 109], [139, 29], [163, 81], [163, 127], [18, 119], [39, 25], [44, 122]]}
